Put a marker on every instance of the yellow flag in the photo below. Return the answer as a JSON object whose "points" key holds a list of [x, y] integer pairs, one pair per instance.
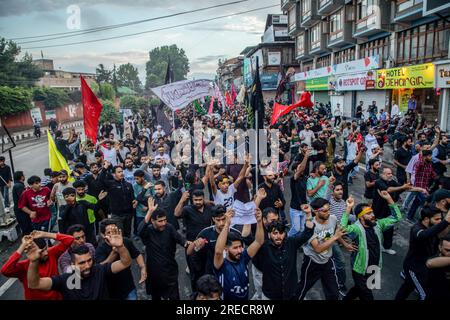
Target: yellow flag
{"points": [[56, 160]]}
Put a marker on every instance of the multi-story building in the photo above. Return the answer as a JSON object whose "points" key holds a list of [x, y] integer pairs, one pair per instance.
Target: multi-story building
{"points": [[373, 50], [276, 55], [230, 72], [60, 79]]}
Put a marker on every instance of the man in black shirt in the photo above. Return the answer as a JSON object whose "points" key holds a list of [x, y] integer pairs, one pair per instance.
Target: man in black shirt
{"points": [[88, 282], [423, 244], [401, 159], [438, 287], [5, 182], [370, 177], [277, 259], [22, 218], [359, 110], [298, 190], [380, 205], [160, 239], [196, 217], [341, 170], [120, 195], [121, 285], [275, 198], [320, 146]]}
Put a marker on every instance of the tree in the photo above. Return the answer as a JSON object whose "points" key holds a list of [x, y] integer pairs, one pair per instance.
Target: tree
{"points": [[128, 76], [109, 112], [156, 67], [55, 98], [103, 74], [106, 91], [14, 72], [14, 100]]}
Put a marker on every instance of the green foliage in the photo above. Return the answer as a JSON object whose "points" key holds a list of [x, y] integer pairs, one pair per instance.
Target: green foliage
{"points": [[75, 96], [55, 98], [155, 102], [15, 72], [95, 88], [109, 112], [103, 74], [157, 66], [39, 94], [14, 100], [128, 76], [106, 91], [134, 103]]}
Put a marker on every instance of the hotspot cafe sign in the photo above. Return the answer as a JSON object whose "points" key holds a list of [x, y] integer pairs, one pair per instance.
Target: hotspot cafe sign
{"points": [[418, 76], [355, 81]]}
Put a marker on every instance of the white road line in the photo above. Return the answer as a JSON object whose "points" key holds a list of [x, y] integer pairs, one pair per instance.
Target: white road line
{"points": [[7, 285]]}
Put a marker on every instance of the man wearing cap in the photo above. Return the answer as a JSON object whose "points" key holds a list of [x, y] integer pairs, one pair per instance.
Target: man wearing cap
{"points": [[341, 170], [369, 239], [158, 133], [80, 172]]}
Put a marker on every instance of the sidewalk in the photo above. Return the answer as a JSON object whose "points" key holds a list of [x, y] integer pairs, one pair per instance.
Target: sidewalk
{"points": [[25, 136]]}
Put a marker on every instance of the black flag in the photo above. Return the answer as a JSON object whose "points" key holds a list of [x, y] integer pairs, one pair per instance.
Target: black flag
{"points": [[158, 112], [257, 100]]}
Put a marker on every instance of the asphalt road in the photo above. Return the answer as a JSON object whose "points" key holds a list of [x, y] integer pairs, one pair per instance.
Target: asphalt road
{"points": [[32, 158]]}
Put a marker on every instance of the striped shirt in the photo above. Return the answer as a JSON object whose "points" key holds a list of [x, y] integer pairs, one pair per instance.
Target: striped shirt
{"points": [[337, 207]]}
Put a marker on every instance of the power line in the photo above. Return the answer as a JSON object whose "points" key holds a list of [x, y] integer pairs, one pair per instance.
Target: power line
{"points": [[120, 25], [154, 30]]}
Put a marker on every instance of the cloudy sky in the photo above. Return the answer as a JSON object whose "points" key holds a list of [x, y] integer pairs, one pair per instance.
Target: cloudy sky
{"points": [[204, 43]]}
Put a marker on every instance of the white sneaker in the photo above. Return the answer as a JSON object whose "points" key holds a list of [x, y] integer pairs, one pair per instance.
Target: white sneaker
{"points": [[6, 210], [389, 251]]}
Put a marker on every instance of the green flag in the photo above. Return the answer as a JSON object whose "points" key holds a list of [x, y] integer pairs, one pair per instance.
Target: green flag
{"points": [[198, 108]]}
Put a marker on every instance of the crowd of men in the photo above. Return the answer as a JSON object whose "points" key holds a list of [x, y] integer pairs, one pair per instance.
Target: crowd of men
{"points": [[81, 230]]}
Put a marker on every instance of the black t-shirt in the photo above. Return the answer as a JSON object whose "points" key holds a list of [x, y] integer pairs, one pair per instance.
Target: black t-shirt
{"points": [[373, 245], [343, 178], [122, 283], [93, 287], [380, 206], [438, 287], [195, 220], [403, 156], [298, 190], [320, 146], [369, 176]]}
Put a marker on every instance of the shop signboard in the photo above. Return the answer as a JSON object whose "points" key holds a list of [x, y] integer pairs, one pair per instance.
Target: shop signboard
{"points": [[366, 64], [419, 76], [317, 84], [443, 76], [247, 72], [269, 81], [355, 81]]}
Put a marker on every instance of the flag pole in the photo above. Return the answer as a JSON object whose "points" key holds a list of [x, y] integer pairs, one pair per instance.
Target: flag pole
{"points": [[257, 149]]}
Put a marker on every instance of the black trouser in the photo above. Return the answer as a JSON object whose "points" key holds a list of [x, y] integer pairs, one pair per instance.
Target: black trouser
{"points": [[311, 272], [167, 291], [413, 280], [336, 120], [401, 176], [124, 222], [360, 289], [193, 271], [388, 236], [24, 222]]}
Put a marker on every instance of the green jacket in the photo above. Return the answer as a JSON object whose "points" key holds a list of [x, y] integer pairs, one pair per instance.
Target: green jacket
{"points": [[361, 261]]}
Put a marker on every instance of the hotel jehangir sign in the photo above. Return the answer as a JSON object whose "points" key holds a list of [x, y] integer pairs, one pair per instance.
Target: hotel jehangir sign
{"points": [[416, 77], [443, 76]]}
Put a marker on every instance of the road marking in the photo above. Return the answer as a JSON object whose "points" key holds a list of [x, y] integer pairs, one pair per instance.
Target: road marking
{"points": [[7, 285]]}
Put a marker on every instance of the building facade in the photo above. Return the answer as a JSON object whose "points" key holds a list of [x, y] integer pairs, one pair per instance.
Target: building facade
{"points": [[373, 50], [60, 79]]}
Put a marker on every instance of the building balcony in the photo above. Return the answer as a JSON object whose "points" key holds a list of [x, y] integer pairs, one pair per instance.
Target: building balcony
{"points": [[328, 6], [286, 4], [373, 20], [340, 38], [310, 17], [408, 11]]}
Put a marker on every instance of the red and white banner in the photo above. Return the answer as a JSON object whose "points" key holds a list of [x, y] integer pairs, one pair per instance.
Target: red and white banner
{"points": [[355, 81]]}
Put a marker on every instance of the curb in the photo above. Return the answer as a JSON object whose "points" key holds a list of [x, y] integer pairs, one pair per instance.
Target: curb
{"points": [[27, 135]]}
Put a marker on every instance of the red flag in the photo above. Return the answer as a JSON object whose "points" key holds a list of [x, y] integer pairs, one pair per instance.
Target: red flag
{"points": [[280, 110], [91, 110], [233, 93], [211, 106], [228, 99]]}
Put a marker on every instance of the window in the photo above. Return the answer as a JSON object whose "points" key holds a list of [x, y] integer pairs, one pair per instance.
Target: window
{"points": [[323, 61], [344, 55], [365, 8], [376, 47], [315, 36], [300, 44], [336, 22], [322, 3], [291, 18], [306, 7], [404, 5], [423, 43]]}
